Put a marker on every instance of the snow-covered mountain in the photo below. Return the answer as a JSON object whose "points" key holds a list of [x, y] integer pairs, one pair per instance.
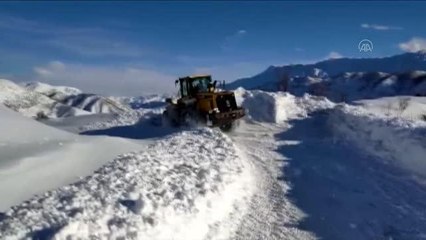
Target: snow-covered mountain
{"points": [[55, 92], [35, 98], [361, 85], [76, 98], [346, 78], [48, 89], [30, 103], [94, 103]]}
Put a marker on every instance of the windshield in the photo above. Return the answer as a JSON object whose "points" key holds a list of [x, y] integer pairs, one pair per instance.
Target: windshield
{"points": [[201, 84]]}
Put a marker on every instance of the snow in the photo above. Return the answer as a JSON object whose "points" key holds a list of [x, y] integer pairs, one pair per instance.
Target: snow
{"points": [[407, 107], [181, 187], [297, 167], [48, 89], [278, 107], [150, 101], [55, 101], [401, 141], [348, 173], [381, 127], [30, 103], [36, 158], [94, 103], [354, 78], [270, 215]]}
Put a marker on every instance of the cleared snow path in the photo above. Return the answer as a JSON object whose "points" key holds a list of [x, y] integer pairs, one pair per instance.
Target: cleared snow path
{"points": [[190, 185], [310, 185], [270, 214]]}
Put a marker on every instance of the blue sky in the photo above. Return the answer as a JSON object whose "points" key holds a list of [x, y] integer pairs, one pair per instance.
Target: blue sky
{"points": [[131, 47]]}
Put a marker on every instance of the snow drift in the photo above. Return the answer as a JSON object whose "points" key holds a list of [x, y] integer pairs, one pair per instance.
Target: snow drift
{"points": [[35, 158], [182, 187], [386, 135], [398, 139], [278, 107], [407, 107]]}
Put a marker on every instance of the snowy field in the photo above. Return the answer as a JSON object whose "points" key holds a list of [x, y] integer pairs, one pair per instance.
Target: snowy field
{"points": [[295, 168]]}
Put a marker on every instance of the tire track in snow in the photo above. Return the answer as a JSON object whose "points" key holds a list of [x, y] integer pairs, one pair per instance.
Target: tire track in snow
{"points": [[270, 215]]}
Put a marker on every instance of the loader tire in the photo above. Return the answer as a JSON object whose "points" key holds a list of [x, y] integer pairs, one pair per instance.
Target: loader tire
{"points": [[227, 127], [167, 121]]}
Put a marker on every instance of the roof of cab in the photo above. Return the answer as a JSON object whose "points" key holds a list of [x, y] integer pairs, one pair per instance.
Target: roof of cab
{"points": [[200, 75]]}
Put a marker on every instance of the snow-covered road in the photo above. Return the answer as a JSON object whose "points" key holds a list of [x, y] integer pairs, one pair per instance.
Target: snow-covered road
{"points": [[287, 172], [270, 214], [311, 185]]}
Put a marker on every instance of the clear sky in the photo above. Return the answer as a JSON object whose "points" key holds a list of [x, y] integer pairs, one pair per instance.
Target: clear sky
{"points": [[131, 47]]}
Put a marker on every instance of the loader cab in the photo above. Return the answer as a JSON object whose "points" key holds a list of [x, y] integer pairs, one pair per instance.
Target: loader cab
{"points": [[191, 86]]}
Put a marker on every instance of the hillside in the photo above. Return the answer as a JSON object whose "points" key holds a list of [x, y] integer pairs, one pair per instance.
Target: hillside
{"points": [[30, 103], [35, 98], [346, 78], [94, 103]]}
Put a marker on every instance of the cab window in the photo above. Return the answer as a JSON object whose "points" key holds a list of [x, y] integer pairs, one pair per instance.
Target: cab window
{"points": [[184, 89]]}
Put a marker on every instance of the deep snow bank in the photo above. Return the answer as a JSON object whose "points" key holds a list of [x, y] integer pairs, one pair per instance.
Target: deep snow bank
{"points": [[15, 128], [35, 158], [278, 107], [182, 187], [387, 137], [408, 107]]}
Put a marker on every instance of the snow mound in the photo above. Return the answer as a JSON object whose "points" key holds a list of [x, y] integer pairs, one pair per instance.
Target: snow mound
{"points": [[35, 157], [398, 139], [18, 129], [30, 103], [408, 107], [94, 103], [182, 187], [278, 107]]}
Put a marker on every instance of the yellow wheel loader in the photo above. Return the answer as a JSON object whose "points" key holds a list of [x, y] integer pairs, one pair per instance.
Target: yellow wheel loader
{"points": [[200, 101]]}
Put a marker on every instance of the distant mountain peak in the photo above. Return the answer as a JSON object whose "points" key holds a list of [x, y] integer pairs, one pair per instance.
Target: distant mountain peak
{"points": [[356, 74]]}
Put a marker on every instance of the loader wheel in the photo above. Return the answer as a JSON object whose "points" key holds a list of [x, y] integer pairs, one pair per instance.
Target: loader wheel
{"points": [[226, 127], [167, 121], [189, 118]]}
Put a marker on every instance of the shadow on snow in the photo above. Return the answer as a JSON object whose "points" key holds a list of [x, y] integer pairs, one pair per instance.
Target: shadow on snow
{"points": [[347, 194], [146, 128]]}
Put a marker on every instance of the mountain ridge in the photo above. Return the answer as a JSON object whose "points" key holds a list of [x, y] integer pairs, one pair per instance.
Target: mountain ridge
{"points": [[346, 78], [393, 64]]}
